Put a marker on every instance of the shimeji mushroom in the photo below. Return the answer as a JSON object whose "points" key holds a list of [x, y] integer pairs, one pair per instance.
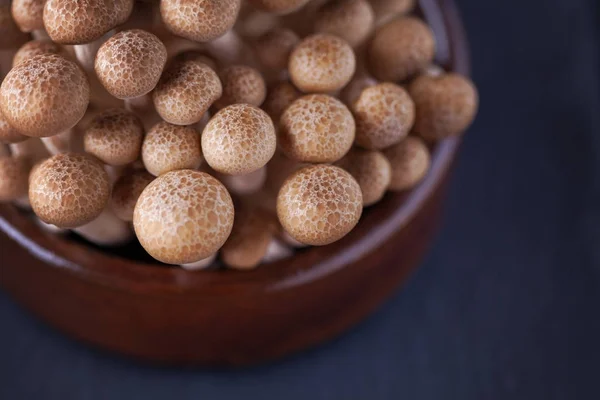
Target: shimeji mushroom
{"points": [[69, 190], [371, 170], [252, 23], [241, 84], [384, 115], [196, 55], [352, 20], [14, 177], [238, 140], [85, 24], [34, 48], [279, 98], [29, 16], [32, 148], [400, 49], [106, 230], [446, 105], [273, 49], [354, 88], [126, 191], [279, 7], [186, 91], [322, 63], [388, 9], [115, 137], [183, 217], [169, 147], [8, 134], [242, 185], [277, 251], [200, 265], [319, 205], [410, 161], [316, 128]]}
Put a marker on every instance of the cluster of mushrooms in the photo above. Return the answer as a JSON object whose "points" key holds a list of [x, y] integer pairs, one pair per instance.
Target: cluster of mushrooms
{"points": [[243, 129]]}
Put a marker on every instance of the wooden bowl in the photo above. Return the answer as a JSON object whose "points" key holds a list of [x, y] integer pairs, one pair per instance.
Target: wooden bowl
{"points": [[170, 315]]}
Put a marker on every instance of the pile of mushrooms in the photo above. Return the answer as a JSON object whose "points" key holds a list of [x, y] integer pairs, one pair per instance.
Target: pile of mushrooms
{"points": [[226, 130]]}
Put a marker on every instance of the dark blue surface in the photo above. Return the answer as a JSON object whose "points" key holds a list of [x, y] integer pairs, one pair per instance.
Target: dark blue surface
{"points": [[508, 303]]}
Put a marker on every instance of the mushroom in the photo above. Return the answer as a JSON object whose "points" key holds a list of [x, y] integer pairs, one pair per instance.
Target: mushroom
{"points": [[186, 91], [130, 63], [446, 105], [354, 88], [10, 39], [199, 20], [205, 263], [14, 177], [85, 24], [277, 251], [400, 49], [44, 95], [169, 147], [388, 9], [384, 115], [319, 205], [29, 16], [231, 49], [242, 185], [32, 148], [290, 241], [273, 49], [106, 230], [183, 217], [241, 84], [115, 137], [322, 63], [8, 134], [371, 170], [279, 98], [316, 128], [252, 23], [252, 233], [410, 161], [196, 55], [238, 140], [126, 191], [351, 20], [69, 190], [279, 7], [34, 48]]}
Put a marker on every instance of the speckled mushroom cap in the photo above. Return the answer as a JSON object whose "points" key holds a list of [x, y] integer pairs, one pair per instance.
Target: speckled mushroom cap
{"points": [[14, 177], [28, 14], [115, 137], [130, 63], [169, 147], [186, 91], [199, 20], [316, 128], [280, 7], [322, 63], [69, 190], [253, 230], [371, 170], [400, 49], [446, 105], [410, 161], [279, 98], [384, 115], [239, 139], [10, 34], [83, 21], [183, 217], [390, 8], [8, 134], [319, 205], [352, 20], [126, 191], [273, 48], [241, 84], [34, 48], [44, 95]]}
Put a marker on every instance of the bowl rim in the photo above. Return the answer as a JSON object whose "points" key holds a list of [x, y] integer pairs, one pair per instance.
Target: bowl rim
{"points": [[102, 268]]}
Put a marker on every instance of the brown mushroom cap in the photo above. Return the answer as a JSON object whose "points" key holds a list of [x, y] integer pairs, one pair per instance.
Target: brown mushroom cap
{"points": [[14, 177], [199, 20], [279, 98], [352, 20], [273, 49], [186, 91], [130, 63], [384, 115], [115, 137], [371, 170], [8, 134], [390, 8], [316, 128], [183, 217], [319, 205], [10, 35], [354, 88], [83, 21], [69, 190], [242, 84], [446, 105], [169, 147], [28, 14], [127, 190], [322, 63], [34, 48], [410, 161], [239, 139], [280, 7], [400, 49], [44, 95]]}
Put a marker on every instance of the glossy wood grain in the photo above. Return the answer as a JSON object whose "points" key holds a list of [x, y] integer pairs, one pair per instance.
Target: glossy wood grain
{"points": [[170, 315]]}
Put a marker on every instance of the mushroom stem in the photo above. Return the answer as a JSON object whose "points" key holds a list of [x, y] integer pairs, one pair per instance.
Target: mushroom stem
{"points": [[201, 264], [86, 53], [245, 184], [49, 227], [114, 173], [40, 34], [58, 144], [277, 251], [32, 148], [106, 230], [230, 49]]}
